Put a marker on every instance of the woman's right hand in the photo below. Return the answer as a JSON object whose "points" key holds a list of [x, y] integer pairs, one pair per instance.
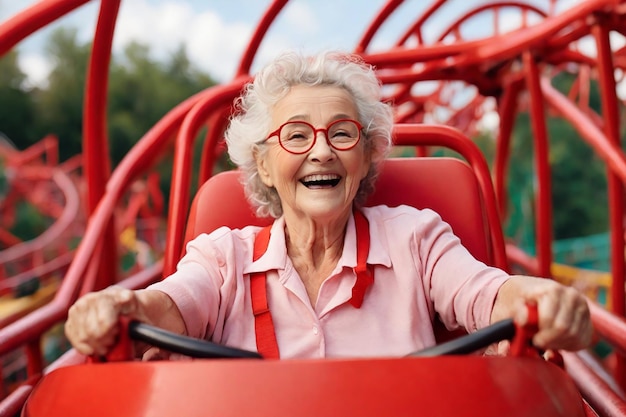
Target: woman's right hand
{"points": [[92, 325]]}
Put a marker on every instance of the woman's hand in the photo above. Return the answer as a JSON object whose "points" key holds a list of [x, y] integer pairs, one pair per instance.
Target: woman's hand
{"points": [[564, 318], [93, 321], [92, 325]]}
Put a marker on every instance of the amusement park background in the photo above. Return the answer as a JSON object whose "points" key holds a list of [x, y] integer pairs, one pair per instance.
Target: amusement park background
{"points": [[165, 51], [42, 83]]}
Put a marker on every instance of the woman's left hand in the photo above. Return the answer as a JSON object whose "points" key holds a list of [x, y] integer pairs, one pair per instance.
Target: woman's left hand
{"points": [[564, 318]]}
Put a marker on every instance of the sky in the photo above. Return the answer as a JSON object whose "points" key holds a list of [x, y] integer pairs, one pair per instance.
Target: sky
{"points": [[216, 32]]}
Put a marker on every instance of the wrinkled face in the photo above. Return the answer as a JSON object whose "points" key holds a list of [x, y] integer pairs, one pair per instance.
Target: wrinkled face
{"points": [[321, 183]]}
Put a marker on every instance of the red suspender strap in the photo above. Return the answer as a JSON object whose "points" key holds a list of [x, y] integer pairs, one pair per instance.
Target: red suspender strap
{"points": [[263, 325], [364, 277]]}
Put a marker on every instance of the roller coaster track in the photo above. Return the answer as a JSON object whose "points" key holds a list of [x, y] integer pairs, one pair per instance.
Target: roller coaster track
{"points": [[34, 176]]}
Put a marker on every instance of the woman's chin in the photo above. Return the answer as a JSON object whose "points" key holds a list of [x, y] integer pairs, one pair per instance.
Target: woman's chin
{"points": [[324, 211]]}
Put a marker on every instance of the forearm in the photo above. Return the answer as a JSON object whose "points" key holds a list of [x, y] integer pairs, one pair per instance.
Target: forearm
{"points": [[508, 299], [158, 309]]}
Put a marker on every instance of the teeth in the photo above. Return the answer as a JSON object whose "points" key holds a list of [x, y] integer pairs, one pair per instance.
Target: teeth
{"points": [[320, 177]]}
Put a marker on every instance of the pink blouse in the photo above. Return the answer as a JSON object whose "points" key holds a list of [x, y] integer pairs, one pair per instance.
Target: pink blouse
{"points": [[420, 269]]}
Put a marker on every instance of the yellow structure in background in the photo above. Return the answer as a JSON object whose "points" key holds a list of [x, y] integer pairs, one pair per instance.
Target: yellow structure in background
{"points": [[10, 306], [595, 284]]}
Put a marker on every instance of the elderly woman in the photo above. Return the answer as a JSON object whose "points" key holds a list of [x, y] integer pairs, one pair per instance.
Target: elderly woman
{"points": [[340, 279]]}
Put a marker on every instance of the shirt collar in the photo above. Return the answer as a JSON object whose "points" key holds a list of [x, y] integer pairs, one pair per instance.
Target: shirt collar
{"points": [[275, 257], [379, 249]]}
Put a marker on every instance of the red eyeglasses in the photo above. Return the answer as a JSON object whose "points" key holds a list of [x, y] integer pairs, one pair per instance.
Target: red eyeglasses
{"points": [[299, 137]]}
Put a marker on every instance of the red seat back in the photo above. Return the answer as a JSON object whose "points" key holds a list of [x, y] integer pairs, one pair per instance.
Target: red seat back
{"points": [[446, 185]]}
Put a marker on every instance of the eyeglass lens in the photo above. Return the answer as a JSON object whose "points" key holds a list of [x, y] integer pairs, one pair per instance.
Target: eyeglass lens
{"points": [[342, 134]]}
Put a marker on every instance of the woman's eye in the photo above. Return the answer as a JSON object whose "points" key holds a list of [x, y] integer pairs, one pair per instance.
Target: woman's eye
{"points": [[342, 136], [340, 133], [295, 136]]}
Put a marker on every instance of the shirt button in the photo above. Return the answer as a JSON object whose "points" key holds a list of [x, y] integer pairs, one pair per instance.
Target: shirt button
{"points": [[315, 330]]}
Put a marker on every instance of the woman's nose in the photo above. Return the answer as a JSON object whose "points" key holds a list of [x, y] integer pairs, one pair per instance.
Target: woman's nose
{"points": [[321, 149]]}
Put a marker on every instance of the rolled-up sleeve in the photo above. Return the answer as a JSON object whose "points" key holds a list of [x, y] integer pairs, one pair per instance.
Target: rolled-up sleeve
{"points": [[462, 289], [198, 285]]}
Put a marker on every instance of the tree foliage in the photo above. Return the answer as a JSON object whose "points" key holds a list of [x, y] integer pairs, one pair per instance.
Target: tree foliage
{"points": [[578, 177], [141, 91], [60, 105], [18, 115]]}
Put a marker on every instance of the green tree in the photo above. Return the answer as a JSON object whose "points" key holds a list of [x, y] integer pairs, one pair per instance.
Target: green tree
{"points": [[578, 177], [519, 223], [60, 105], [18, 114], [143, 90], [579, 186]]}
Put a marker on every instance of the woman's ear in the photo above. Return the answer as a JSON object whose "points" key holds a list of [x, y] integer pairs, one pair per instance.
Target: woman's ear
{"points": [[261, 166]]}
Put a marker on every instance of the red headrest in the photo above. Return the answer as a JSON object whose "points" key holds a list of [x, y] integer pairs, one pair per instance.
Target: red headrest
{"points": [[446, 185]]}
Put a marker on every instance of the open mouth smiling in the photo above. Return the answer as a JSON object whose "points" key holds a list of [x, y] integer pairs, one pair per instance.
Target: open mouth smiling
{"points": [[321, 181]]}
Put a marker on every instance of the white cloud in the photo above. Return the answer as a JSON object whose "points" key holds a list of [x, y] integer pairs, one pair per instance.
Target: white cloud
{"points": [[621, 90], [301, 18], [37, 67], [491, 119], [587, 46], [617, 40], [566, 4], [511, 19], [162, 25], [213, 45], [10, 8]]}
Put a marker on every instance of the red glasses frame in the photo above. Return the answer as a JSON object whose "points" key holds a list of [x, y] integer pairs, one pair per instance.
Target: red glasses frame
{"points": [[315, 131]]}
